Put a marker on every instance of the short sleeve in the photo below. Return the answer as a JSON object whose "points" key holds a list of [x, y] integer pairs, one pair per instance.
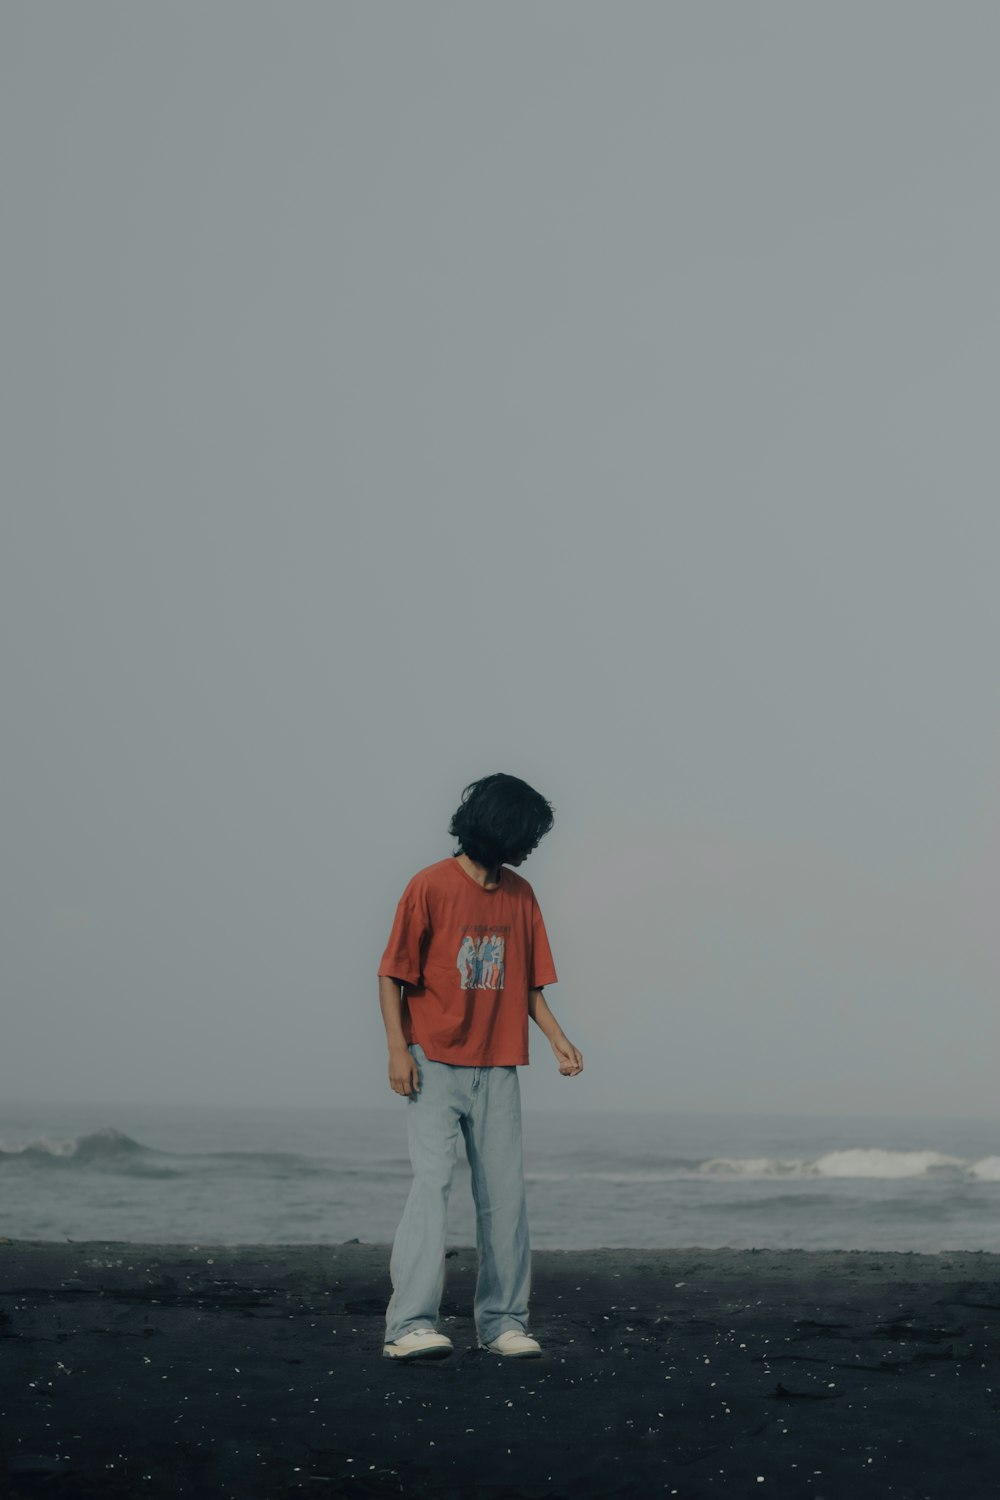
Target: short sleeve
{"points": [[542, 969], [403, 956]]}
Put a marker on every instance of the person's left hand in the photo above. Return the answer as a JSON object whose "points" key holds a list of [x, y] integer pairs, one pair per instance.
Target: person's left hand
{"points": [[569, 1058]]}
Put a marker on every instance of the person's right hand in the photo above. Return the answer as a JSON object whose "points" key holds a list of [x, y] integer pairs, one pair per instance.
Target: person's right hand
{"points": [[404, 1074]]}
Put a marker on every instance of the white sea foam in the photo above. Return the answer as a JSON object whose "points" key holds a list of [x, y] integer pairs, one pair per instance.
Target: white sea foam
{"points": [[873, 1162], [986, 1170], [755, 1166], [860, 1162]]}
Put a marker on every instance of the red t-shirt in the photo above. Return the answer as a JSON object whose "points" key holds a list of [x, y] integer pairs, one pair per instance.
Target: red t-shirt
{"points": [[468, 958]]}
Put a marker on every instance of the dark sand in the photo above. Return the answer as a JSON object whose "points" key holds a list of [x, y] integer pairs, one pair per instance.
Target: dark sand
{"points": [[182, 1370]]}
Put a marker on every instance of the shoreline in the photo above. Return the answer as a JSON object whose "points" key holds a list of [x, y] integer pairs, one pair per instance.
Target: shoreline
{"points": [[248, 1371]]}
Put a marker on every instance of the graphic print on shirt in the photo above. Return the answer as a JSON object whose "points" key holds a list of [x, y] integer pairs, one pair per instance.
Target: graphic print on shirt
{"points": [[481, 960]]}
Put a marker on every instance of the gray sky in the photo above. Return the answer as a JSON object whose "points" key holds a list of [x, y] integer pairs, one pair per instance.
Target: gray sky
{"points": [[605, 394]]}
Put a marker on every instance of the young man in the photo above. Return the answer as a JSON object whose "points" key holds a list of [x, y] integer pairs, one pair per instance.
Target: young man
{"points": [[462, 971]]}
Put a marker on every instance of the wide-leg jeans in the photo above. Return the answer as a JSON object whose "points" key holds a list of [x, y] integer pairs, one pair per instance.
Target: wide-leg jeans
{"points": [[484, 1106]]}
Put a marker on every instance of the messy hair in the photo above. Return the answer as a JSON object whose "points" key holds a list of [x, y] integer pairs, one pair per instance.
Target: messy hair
{"points": [[500, 818]]}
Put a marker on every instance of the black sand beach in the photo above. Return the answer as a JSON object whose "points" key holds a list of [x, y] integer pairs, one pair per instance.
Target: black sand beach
{"points": [[190, 1370]]}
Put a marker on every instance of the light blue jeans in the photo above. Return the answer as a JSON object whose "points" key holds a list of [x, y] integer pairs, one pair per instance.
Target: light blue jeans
{"points": [[484, 1104]]}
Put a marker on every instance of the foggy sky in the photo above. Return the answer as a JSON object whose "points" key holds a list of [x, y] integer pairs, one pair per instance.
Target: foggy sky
{"points": [[605, 394]]}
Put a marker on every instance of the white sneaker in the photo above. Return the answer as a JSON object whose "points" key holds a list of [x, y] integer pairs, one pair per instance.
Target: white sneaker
{"points": [[419, 1343], [514, 1345]]}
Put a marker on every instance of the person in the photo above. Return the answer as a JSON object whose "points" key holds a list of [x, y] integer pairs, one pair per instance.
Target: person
{"points": [[457, 1032]]}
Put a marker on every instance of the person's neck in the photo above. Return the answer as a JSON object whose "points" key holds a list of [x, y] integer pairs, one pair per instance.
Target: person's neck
{"points": [[488, 879]]}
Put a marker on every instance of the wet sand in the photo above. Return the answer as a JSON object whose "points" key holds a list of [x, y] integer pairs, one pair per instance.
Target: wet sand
{"points": [[256, 1371]]}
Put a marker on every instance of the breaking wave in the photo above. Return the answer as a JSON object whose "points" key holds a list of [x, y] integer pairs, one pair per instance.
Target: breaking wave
{"points": [[97, 1143], [860, 1162], [107, 1148], [111, 1150]]}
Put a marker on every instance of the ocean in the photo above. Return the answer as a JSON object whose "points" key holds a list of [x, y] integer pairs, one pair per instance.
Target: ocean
{"points": [[214, 1175]]}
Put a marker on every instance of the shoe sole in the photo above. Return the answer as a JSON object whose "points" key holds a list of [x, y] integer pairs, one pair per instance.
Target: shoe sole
{"points": [[516, 1354], [436, 1351]]}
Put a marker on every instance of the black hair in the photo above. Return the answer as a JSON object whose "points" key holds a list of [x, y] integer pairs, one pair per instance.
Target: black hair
{"points": [[500, 818]]}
